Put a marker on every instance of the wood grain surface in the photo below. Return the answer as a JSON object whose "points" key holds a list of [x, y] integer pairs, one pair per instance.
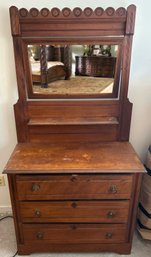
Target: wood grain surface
{"points": [[74, 157]]}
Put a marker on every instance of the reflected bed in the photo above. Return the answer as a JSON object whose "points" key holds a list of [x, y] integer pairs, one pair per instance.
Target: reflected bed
{"points": [[55, 71]]}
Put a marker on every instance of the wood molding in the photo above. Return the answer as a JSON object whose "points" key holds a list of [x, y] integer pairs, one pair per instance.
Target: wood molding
{"points": [[66, 13], [15, 23], [130, 22], [36, 22]]}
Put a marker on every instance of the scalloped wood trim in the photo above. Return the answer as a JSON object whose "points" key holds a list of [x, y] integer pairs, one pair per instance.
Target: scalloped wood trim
{"points": [[66, 12]]}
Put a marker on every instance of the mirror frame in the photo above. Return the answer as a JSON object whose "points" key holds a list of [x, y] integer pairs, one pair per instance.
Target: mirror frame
{"points": [[75, 26], [57, 41], [96, 25]]}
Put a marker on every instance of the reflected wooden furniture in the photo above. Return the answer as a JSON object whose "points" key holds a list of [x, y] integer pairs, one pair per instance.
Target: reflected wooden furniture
{"points": [[49, 73], [74, 178], [96, 66]]}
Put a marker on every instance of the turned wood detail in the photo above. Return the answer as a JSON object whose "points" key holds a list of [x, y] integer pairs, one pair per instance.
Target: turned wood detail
{"points": [[67, 61], [43, 66], [76, 12]]}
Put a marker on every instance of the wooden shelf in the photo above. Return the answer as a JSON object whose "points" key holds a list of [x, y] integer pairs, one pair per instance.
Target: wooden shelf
{"points": [[73, 121]]}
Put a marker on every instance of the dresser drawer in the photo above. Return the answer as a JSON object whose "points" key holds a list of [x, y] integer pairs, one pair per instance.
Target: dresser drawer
{"points": [[74, 233], [51, 187], [75, 211]]}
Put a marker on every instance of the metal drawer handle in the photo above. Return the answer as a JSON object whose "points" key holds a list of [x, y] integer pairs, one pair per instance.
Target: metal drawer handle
{"points": [[109, 235], [111, 214], [39, 235], [113, 189], [35, 187], [37, 213]]}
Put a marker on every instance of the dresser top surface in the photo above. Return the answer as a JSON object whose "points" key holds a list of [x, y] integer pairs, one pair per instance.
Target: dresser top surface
{"points": [[74, 157]]}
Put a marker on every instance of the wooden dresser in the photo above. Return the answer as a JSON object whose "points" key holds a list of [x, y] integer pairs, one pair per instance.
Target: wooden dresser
{"points": [[74, 178], [97, 66], [74, 196]]}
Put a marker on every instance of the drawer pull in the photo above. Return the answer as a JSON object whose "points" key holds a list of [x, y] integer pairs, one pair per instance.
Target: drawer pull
{"points": [[73, 227], [109, 235], [35, 187], [113, 189], [74, 205], [39, 235], [37, 213], [74, 178], [111, 214]]}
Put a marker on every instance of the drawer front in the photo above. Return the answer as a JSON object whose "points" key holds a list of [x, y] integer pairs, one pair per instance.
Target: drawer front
{"points": [[75, 211], [60, 187], [74, 233]]}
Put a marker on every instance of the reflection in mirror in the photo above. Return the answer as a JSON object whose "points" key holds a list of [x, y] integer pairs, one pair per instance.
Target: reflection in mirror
{"points": [[73, 69]]}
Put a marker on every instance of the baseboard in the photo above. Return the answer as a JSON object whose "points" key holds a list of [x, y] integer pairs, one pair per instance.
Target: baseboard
{"points": [[5, 211]]}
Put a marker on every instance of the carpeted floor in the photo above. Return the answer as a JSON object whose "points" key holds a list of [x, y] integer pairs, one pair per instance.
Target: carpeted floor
{"points": [[77, 85], [141, 248]]}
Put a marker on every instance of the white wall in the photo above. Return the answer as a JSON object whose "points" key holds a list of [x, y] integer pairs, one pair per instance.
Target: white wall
{"points": [[139, 87]]}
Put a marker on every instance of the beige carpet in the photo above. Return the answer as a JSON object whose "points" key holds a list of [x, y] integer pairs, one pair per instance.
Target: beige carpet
{"points": [[77, 85], [141, 248]]}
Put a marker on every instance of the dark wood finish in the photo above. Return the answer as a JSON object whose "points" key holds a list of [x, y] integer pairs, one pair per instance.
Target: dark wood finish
{"points": [[96, 66], [70, 191]]}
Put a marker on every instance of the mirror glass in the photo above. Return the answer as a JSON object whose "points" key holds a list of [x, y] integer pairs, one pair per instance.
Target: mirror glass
{"points": [[73, 70]]}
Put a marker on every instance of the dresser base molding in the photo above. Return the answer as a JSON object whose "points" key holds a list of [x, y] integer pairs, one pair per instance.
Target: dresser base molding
{"points": [[123, 248]]}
